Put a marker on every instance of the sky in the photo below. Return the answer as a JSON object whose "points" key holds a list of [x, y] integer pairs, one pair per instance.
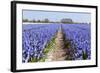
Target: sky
{"points": [[56, 16]]}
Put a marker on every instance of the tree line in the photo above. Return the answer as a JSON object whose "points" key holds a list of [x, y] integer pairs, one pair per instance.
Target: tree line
{"points": [[46, 20]]}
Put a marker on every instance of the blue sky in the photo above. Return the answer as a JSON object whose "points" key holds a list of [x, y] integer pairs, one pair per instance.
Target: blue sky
{"points": [[56, 16]]}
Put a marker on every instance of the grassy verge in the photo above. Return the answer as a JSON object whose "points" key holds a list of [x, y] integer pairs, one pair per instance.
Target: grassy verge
{"points": [[48, 48]]}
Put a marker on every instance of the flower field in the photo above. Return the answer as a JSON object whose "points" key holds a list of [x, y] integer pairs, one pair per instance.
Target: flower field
{"points": [[38, 40]]}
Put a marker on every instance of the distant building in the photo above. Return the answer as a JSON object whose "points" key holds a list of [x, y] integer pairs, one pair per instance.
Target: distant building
{"points": [[66, 20]]}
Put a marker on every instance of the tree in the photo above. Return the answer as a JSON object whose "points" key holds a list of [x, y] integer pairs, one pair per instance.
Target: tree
{"points": [[25, 20], [38, 21]]}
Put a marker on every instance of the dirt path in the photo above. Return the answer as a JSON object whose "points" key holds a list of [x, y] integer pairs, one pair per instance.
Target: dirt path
{"points": [[59, 52]]}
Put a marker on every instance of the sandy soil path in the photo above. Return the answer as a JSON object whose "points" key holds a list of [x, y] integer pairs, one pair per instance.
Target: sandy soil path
{"points": [[59, 52]]}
